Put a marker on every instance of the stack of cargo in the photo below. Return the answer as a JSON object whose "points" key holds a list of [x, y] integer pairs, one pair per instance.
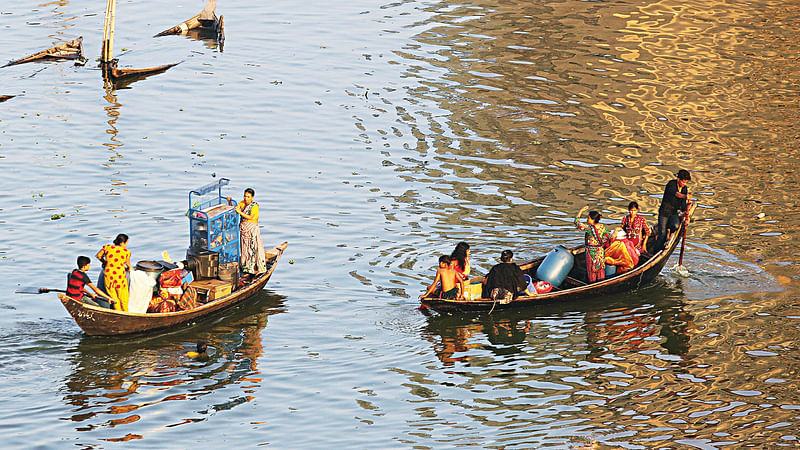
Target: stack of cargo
{"points": [[213, 254]]}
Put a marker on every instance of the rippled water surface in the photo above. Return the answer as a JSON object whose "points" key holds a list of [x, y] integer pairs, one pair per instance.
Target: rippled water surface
{"points": [[376, 136]]}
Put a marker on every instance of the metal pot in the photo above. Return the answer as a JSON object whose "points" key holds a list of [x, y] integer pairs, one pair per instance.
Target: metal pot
{"points": [[152, 268], [203, 263]]}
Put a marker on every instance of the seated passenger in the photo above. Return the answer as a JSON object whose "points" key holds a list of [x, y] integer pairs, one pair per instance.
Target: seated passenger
{"points": [[77, 280], [460, 260], [621, 253], [505, 280], [451, 283]]}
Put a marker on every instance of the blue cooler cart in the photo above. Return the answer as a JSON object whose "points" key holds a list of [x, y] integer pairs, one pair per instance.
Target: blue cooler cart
{"points": [[213, 223]]}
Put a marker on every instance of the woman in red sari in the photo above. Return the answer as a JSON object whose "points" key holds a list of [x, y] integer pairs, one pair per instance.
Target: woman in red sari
{"points": [[636, 227]]}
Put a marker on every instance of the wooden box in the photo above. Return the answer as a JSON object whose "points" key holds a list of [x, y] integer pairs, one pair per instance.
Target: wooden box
{"points": [[208, 290]]}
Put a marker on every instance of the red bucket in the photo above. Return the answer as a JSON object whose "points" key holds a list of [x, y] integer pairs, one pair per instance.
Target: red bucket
{"points": [[542, 287]]}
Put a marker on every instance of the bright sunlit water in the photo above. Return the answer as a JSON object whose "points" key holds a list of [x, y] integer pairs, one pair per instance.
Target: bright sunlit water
{"points": [[377, 136]]}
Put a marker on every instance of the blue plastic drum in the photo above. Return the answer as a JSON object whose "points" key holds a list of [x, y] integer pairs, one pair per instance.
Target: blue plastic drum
{"points": [[556, 266], [610, 270]]}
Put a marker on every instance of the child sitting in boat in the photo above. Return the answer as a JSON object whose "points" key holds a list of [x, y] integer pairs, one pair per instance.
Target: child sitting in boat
{"points": [[77, 281], [451, 283]]}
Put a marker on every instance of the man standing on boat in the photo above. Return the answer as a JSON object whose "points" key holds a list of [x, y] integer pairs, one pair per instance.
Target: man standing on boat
{"points": [[674, 202]]}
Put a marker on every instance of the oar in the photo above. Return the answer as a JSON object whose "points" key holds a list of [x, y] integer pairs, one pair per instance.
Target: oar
{"points": [[35, 290], [683, 271]]}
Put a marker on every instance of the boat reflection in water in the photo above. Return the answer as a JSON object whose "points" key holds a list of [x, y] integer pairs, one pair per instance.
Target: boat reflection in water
{"points": [[114, 382], [532, 373], [612, 325]]}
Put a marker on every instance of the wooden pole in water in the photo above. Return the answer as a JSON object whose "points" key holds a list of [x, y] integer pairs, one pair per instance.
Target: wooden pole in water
{"points": [[107, 52]]}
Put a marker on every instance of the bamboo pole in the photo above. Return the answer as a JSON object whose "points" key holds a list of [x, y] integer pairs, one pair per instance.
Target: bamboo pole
{"points": [[111, 35], [107, 52]]}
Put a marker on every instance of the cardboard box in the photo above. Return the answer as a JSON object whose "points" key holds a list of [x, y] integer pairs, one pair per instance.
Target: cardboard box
{"points": [[211, 289]]}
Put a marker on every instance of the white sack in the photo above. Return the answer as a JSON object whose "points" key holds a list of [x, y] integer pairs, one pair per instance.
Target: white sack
{"points": [[141, 291]]}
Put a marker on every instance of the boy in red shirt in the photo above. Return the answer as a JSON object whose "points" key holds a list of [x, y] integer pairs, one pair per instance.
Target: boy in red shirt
{"points": [[78, 280]]}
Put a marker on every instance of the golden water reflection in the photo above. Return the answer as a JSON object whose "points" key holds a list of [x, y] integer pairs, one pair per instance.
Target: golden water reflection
{"points": [[545, 107], [615, 372], [112, 387]]}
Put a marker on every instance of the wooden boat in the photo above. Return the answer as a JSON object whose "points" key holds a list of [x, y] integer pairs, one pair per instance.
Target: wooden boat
{"points": [[576, 285], [6, 97], [98, 321], [68, 50], [206, 20]]}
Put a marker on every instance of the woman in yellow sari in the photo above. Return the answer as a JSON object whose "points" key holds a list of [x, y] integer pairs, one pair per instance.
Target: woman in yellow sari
{"points": [[116, 260]]}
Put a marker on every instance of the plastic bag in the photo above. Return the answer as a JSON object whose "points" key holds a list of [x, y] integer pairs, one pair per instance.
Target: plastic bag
{"points": [[141, 291]]}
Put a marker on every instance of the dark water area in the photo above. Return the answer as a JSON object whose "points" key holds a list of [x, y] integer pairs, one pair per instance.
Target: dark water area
{"points": [[377, 136]]}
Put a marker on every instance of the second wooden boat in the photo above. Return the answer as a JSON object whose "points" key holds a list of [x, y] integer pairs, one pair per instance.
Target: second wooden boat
{"points": [[575, 286]]}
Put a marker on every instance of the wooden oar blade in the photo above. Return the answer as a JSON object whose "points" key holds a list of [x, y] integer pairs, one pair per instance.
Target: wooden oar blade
{"points": [[31, 290], [37, 290]]}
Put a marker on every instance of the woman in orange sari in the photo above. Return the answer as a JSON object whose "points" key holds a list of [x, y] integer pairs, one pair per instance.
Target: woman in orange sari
{"points": [[622, 252], [116, 260]]}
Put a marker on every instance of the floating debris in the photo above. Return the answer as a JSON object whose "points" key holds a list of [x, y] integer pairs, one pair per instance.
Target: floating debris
{"points": [[68, 50], [206, 21], [109, 65]]}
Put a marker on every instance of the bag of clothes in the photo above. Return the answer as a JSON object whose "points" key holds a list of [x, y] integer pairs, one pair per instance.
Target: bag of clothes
{"points": [[174, 293]]}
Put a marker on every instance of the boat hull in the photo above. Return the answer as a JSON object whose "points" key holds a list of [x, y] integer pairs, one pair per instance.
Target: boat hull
{"points": [[98, 321]]}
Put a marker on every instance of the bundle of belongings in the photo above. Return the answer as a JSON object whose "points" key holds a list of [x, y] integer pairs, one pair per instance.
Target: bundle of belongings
{"points": [[173, 293]]}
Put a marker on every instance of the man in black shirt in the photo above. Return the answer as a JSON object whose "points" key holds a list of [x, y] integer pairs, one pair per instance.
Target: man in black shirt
{"points": [[507, 276], [676, 199]]}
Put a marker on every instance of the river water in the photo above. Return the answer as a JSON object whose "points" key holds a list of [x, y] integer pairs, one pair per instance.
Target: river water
{"points": [[377, 136]]}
